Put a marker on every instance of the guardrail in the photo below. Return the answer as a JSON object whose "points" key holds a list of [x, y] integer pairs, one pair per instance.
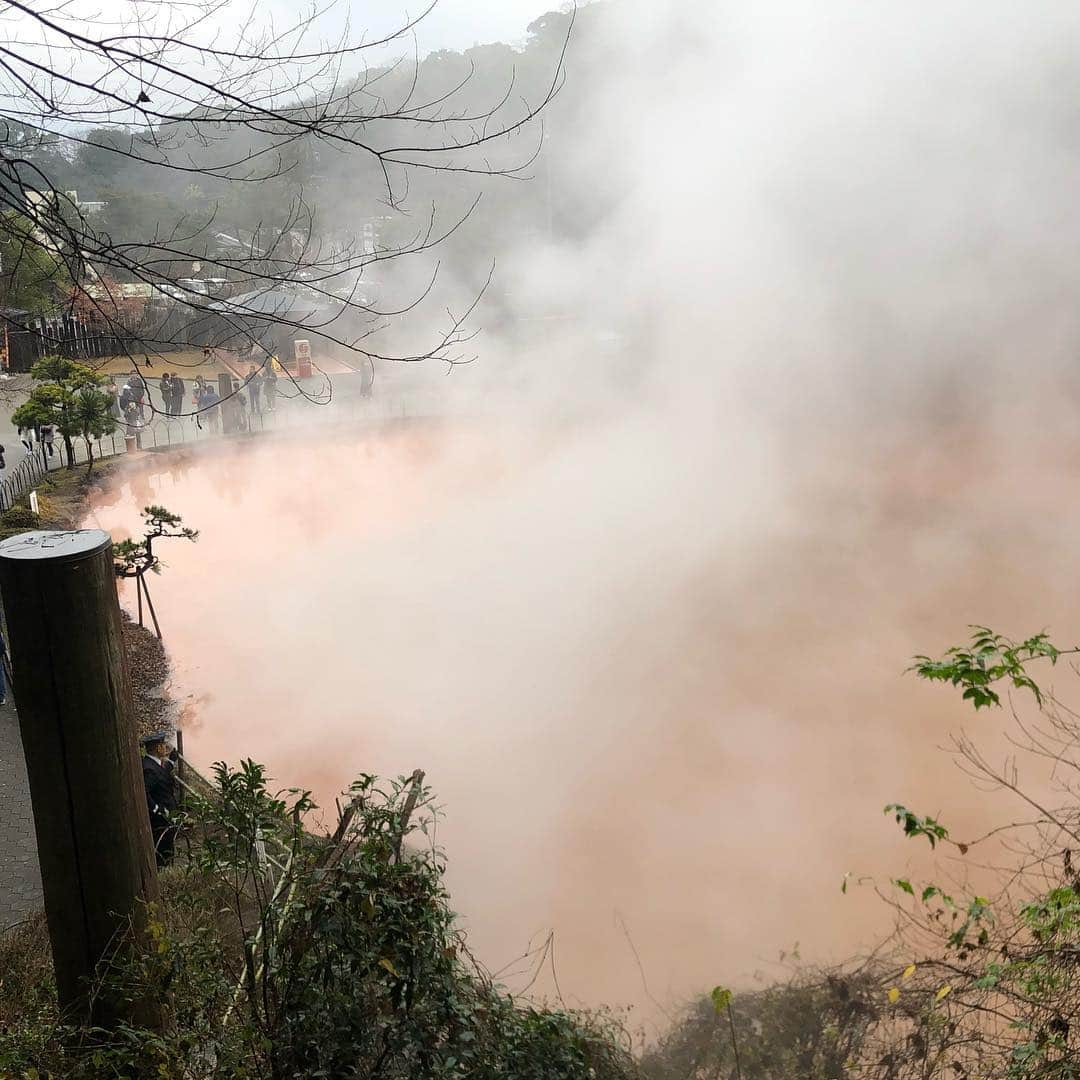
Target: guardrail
{"points": [[22, 478], [163, 432], [159, 434]]}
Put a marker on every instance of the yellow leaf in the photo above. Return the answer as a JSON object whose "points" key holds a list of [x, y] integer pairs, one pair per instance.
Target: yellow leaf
{"points": [[945, 991], [894, 995], [908, 971], [384, 963]]}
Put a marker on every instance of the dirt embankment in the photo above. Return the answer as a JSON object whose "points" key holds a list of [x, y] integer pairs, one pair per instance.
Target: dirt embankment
{"points": [[63, 500]]}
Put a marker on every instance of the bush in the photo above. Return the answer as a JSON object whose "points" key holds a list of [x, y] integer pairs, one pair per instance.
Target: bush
{"points": [[20, 518], [812, 1027], [285, 954]]}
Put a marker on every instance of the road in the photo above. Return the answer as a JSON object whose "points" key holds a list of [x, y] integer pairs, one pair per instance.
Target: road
{"points": [[20, 881]]}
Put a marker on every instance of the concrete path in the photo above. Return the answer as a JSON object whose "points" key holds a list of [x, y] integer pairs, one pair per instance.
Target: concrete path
{"points": [[20, 881]]}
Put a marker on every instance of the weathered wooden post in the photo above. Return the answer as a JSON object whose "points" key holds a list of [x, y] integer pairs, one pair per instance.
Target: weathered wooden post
{"points": [[78, 732]]}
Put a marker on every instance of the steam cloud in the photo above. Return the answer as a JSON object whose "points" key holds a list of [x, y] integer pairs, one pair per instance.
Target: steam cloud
{"points": [[643, 618]]}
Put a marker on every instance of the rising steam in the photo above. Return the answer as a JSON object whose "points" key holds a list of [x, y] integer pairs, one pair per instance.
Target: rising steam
{"points": [[643, 615]]}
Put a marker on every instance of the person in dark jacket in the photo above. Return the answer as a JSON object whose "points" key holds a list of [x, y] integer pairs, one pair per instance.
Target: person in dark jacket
{"points": [[269, 390], [162, 801], [253, 382], [166, 388], [178, 390]]}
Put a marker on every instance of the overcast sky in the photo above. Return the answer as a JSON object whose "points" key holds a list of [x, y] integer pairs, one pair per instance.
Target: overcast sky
{"points": [[453, 24], [458, 24]]}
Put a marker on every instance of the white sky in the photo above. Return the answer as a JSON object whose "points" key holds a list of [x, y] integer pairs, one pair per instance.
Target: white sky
{"points": [[458, 24], [454, 24]]}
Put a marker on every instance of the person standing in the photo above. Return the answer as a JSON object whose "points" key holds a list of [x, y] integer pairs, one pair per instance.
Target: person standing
{"points": [[166, 387], [142, 393], [132, 423], [208, 405], [162, 801], [253, 382], [48, 434], [269, 388], [239, 404], [26, 437], [178, 389], [114, 394]]}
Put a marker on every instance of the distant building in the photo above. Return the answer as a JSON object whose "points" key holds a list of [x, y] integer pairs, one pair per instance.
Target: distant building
{"points": [[39, 203]]}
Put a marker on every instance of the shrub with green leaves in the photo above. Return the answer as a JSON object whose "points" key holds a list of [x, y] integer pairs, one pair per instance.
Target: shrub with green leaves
{"points": [[987, 982], [814, 1026], [69, 395], [285, 953]]}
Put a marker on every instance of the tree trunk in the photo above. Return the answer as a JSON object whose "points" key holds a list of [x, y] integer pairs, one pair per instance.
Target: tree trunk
{"points": [[69, 449], [89, 455]]}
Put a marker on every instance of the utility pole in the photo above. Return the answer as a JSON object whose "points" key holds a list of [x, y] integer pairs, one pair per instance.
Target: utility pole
{"points": [[75, 710]]}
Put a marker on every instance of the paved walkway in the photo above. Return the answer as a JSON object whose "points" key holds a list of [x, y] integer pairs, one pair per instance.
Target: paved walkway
{"points": [[20, 881]]}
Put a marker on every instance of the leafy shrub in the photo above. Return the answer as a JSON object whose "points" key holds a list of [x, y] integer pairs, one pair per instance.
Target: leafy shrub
{"points": [[20, 517], [812, 1027], [284, 954]]}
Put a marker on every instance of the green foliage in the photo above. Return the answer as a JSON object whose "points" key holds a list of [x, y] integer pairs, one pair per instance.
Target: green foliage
{"points": [[1055, 916], [133, 558], [913, 825], [989, 658], [812, 1027], [20, 517], [997, 990], [32, 278], [286, 953], [67, 394]]}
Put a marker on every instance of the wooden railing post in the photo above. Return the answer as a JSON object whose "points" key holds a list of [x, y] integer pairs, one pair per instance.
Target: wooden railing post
{"points": [[78, 730]]}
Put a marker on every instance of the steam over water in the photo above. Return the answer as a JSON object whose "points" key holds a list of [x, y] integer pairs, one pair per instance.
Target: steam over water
{"points": [[651, 658], [628, 724]]}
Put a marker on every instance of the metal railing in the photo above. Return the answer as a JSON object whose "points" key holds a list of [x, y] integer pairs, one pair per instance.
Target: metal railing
{"points": [[22, 478], [159, 434], [162, 432]]}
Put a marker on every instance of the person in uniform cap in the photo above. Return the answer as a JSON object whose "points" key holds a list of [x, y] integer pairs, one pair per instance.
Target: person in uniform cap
{"points": [[161, 796]]}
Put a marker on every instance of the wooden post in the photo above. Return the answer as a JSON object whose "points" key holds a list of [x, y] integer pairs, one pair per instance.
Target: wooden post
{"points": [[150, 605], [82, 757]]}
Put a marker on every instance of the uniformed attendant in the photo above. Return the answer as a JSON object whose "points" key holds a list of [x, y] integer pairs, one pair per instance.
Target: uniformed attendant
{"points": [[161, 795]]}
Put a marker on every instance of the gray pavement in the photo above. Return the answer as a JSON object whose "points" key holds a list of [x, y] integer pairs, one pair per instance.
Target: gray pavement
{"points": [[20, 880]]}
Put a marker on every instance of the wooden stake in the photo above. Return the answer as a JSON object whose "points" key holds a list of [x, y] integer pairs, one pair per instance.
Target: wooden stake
{"points": [[150, 605], [82, 758]]}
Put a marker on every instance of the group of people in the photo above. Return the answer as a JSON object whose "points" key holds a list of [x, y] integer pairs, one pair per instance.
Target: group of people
{"points": [[261, 385], [205, 400], [132, 400], [129, 402], [43, 434], [256, 392], [173, 388]]}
